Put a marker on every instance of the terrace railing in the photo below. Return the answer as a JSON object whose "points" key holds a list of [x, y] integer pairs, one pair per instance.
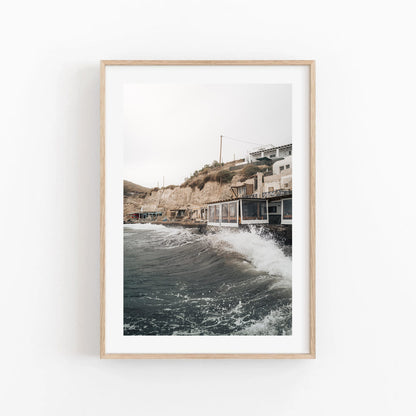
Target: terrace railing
{"points": [[278, 192], [271, 194]]}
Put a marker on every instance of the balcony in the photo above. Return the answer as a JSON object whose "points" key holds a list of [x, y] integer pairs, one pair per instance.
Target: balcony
{"points": [[278, 192]]}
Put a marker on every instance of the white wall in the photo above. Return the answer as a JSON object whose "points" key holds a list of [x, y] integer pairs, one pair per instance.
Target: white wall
{"points": [[49, 162]]}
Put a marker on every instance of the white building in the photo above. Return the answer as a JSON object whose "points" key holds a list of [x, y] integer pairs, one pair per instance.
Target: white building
{"points": [[285, 150], [262, 153], [282, 166], [269, 152], [282, 175]]}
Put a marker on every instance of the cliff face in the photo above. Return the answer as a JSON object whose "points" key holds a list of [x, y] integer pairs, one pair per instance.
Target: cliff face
{"points": [[209, 184], [177, 198]]}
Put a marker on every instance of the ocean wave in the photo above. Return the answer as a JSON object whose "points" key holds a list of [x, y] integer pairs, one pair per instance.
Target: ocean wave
{"points": [[179, 281], [167, 237], [149, 227], [257, 247]]}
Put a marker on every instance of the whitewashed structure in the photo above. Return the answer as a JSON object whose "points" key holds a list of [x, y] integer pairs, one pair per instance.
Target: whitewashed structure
{"points": [[269, 152], [262, 153], [282, 166], [285, 150], [282, 175], [264, 198]]}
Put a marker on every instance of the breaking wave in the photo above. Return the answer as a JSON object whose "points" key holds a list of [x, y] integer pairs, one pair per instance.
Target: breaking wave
{"points": [[167, 237], [257, 247]]}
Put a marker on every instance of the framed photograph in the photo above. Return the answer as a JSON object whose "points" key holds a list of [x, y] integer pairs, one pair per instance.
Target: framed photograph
{"points": [[207, 209]]}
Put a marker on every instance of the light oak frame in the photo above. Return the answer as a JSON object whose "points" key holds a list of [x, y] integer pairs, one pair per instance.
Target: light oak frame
{"points": [[312, 283]]}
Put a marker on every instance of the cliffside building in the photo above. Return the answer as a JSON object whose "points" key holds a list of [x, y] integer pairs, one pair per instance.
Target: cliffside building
{"points": [[265, 198], [251, 210], [269, 153]]}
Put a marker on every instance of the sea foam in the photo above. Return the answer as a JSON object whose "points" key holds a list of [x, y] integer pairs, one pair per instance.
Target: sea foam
{"points": [[259, 249]]}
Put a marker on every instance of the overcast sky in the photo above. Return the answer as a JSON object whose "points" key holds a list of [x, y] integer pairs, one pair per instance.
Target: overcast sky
{"points": [[171, 130]]}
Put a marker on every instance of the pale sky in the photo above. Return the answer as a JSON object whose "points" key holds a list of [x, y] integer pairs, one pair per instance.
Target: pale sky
{"points": [[171, 130]]}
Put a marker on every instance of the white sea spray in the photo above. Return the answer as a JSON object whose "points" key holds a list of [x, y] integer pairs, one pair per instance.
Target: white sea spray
{"points": [[260, 250]]}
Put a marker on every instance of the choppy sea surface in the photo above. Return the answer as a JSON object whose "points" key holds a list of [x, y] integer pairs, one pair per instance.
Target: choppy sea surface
{"points": [[178, 281]]}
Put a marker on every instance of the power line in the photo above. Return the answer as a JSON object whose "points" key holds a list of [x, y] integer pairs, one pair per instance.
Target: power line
{"points": [[243, 141]]}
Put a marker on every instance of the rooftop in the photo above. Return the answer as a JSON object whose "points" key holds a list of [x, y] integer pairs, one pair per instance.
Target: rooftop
{"points": [[236, 199], [269, 147]]}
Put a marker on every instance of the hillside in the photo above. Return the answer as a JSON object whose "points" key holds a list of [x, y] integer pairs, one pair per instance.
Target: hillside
{"points": [[212, 182], [131, 188]]}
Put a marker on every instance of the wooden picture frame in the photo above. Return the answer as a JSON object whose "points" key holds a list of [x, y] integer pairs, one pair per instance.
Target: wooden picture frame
{"points": [[310, 66]]}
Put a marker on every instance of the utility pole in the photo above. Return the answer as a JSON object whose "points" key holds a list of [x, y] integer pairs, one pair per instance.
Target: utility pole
{"points": [[220, 148]]}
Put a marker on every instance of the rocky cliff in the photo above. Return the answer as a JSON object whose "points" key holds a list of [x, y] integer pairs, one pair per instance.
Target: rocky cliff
{"points": [[177, 198], [211, 183]]}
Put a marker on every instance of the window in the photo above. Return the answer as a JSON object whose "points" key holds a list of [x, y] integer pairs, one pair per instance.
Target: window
{"points": [[224, 217], [232, 211], [249, 210], [272, 209], [281, 168], [227, 211], [242, 191], [287, 166], [287, 209], [290, 152], [271, 188], [254, 210], [217, 213], [211, 213], [272, 155]]}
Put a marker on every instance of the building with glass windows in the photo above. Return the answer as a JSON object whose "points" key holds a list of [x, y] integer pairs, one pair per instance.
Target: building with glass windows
{"points": [[145, 215], [269, 153], [280, 210], [240, 211]]}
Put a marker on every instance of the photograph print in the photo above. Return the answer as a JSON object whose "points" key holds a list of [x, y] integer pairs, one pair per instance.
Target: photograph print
{"points": [[207, 209]]}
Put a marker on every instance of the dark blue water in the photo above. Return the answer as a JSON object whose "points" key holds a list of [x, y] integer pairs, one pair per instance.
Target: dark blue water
{"points": [[180, 282]]}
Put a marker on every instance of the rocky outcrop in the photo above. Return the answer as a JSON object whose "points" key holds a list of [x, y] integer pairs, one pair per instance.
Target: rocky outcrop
{"points": [[167, 199], [211, 183]]}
